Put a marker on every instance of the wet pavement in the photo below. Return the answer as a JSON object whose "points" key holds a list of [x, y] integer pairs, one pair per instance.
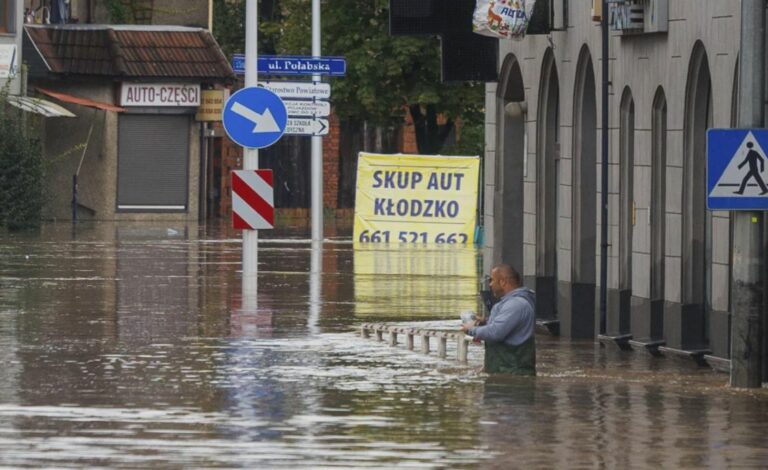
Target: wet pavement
{"points": [[131, 346]]}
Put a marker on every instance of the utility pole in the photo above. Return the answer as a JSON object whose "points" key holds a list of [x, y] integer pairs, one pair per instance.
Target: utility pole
{"points": [[747, 259]]}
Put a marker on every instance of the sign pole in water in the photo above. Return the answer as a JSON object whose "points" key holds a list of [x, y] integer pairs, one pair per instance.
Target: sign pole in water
{"points": [[748, 255], [317, 142], [250, 155]]}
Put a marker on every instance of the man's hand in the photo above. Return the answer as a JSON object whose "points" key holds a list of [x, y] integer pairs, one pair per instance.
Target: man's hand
{"points": [[466, 326]]}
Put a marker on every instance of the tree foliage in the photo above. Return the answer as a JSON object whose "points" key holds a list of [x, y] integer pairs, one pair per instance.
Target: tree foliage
{"points": [[21, 171], [119, 11], [229, 25], [387, 76]]}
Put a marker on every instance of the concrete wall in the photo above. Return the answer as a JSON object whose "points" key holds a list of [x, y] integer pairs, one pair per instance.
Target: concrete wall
{"points": [[640, 64], [64, 142]]}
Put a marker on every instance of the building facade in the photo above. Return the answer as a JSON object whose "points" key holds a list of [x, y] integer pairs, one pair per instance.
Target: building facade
{"points": [[135, 151], [673, 74]]}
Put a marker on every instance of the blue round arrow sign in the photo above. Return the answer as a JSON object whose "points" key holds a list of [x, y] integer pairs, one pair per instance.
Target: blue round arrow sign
{"points": [[255, 117]]}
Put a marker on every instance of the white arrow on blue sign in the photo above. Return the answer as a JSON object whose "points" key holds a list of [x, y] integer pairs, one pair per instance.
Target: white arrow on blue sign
{"points": [[736, 169], [255, 117]]}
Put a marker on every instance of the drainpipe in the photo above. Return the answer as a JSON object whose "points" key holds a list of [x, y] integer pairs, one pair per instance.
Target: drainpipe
{"points": [[604, 173]]}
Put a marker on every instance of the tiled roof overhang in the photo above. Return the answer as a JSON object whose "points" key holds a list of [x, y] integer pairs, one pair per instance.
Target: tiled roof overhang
{"points": [[131, 52]]}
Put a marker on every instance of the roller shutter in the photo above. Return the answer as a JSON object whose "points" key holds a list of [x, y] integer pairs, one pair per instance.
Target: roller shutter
{"points": [[153, 162]]}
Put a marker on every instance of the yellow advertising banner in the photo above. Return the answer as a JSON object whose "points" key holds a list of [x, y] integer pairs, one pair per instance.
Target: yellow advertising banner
{"points": [[416, 199]]}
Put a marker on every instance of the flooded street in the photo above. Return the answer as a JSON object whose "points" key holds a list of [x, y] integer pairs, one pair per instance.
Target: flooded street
{"points": [[130, 345]]}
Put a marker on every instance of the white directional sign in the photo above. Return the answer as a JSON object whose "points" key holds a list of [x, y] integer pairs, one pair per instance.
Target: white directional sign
{"points": [[306, 126], [306, 90], [307, 108]]}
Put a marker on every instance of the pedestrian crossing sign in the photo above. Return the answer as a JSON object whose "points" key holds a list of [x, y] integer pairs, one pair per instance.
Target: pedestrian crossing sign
{"points": [[737, 169]]}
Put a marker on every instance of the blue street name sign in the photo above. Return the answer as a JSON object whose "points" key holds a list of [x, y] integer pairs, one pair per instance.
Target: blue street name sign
{"points": [[736, 169], [293, 65], [255, 117]]}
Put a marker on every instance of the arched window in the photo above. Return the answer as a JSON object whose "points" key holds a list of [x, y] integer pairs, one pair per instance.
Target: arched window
{"points": [[658, 211], [547, 188], [509, 170], [697, 233], [626, 188], [626, 209], [584, 200]]}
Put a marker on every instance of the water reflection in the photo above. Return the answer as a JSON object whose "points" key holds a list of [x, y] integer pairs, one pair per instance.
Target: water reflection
{"points": [[395, 282], [134, 346], [315, 287], [154, 289]]}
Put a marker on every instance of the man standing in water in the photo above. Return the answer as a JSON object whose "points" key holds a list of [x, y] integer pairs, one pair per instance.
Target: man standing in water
{"points": [[508, 334]]}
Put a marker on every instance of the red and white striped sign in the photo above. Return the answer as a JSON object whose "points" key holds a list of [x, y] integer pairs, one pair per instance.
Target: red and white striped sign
{"points": [[253, 205]]}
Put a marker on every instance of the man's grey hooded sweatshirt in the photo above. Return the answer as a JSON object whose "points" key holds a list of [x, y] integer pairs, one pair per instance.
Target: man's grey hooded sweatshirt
{"points": [[512, 319]]}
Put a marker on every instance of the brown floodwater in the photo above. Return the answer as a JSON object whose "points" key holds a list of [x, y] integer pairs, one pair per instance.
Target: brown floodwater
{"points": [[131, 345]]}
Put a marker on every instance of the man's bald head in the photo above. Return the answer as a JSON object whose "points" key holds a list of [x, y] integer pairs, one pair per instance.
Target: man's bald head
{"points": [[504, 278]]}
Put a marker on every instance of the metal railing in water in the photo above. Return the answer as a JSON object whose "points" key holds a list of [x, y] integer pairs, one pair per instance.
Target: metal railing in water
{"points": [[424, 335]]}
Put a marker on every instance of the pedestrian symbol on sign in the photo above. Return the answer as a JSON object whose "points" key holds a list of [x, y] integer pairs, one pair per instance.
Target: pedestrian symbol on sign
{"points": [[736, 169], [754, 159]]}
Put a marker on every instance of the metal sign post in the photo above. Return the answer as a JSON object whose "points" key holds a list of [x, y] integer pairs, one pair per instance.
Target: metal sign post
{"points": [[317, 141], [748, 259], [251, 155], [300, 122], [254, 118]]}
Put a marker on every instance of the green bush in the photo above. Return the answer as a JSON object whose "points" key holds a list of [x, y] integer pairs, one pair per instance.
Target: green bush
{"points": [[21, 170]]}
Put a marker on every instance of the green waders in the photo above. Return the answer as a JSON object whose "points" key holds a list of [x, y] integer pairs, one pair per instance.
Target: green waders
{"points": [[501, 358]]}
